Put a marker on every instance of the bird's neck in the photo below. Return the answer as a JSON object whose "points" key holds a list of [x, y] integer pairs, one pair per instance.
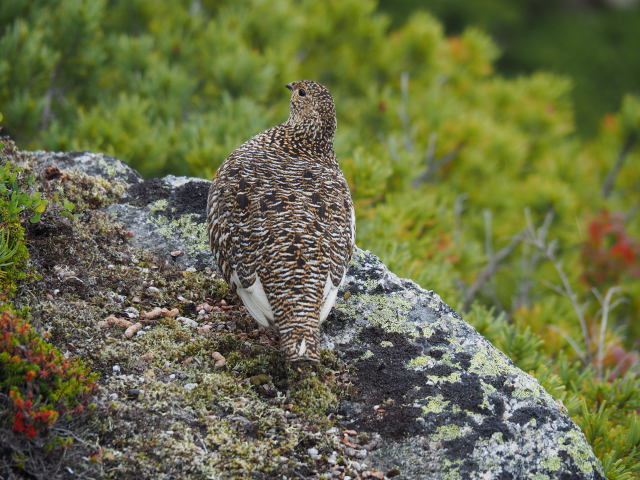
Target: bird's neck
{"points": [[312, 134]]}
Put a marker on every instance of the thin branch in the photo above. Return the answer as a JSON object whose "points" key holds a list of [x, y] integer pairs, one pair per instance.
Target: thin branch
{"points": [[458, 209], [491, 269], [607, 307], [47, 113], [538, 239], [404, 111], [569, 340], [435, 164], [628, 145]]}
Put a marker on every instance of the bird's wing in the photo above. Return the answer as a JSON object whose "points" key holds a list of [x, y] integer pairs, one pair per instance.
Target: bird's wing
{"points": [[234, 226], [342, 227]]}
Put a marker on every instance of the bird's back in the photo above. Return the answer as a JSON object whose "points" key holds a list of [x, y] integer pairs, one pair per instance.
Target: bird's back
{"points": [[281, 230]]}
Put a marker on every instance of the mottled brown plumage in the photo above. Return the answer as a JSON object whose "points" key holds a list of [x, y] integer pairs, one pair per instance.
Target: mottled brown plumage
{"points": [[281, 222]]}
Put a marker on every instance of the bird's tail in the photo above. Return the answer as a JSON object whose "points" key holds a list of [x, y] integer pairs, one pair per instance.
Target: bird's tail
{"points": [[299, 340]]}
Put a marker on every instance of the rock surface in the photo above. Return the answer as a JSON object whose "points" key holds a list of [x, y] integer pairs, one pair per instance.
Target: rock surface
{"points": [[436, 399]]}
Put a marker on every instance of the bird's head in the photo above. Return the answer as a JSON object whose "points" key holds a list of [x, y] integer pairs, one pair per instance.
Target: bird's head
{"points": [[312, 110]]}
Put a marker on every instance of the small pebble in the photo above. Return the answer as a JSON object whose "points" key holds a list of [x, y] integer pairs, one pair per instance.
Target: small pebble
{"points": [[133, 393], [118, 322], [132, 330], [362, 453], [115, 368], [190, 386], [132, 312], [158, 312], [373, 474], [204, 329], [176, 253], [187, 322], [153, 290], [313, 452], [113, 396], [219, 358]]}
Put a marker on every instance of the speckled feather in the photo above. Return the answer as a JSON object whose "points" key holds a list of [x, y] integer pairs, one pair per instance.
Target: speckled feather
{"points": [[281, 222]]}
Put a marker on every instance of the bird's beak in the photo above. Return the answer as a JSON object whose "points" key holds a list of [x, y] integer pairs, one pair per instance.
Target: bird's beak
{"points": [[289, 86]]}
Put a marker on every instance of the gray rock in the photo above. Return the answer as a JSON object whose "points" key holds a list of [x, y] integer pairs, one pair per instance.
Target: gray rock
{"points": [[94, 164], [445, 402]]}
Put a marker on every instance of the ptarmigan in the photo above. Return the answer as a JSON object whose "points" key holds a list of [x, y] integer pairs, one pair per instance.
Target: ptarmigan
{"points": [[281, 222]]}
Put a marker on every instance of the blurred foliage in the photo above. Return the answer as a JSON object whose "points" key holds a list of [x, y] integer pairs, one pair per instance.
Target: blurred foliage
{"points": [[593, 41], [453, 168]]}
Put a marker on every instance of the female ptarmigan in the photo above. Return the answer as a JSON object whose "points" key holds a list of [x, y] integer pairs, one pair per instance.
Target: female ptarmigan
{"points": [[281, 222]]}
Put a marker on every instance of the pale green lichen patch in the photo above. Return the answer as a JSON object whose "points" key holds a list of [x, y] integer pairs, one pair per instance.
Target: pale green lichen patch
{"points": [[453, 377], [419, 362], [522, 393], [578, 449], [491, 362], [539, 476], [366, 355], [446, 433], [386, 343], [158, 205], [552, 463], [427, 331], [188, 226], [387, 312], [451, 468], [436, 404], [111, 168]]}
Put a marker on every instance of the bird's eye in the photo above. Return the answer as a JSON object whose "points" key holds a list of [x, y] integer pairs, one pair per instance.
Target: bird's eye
{"points": [[301, 92]]}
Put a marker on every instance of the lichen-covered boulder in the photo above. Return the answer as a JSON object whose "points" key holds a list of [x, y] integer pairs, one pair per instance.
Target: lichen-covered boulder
{"points": [[439, 400]]}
